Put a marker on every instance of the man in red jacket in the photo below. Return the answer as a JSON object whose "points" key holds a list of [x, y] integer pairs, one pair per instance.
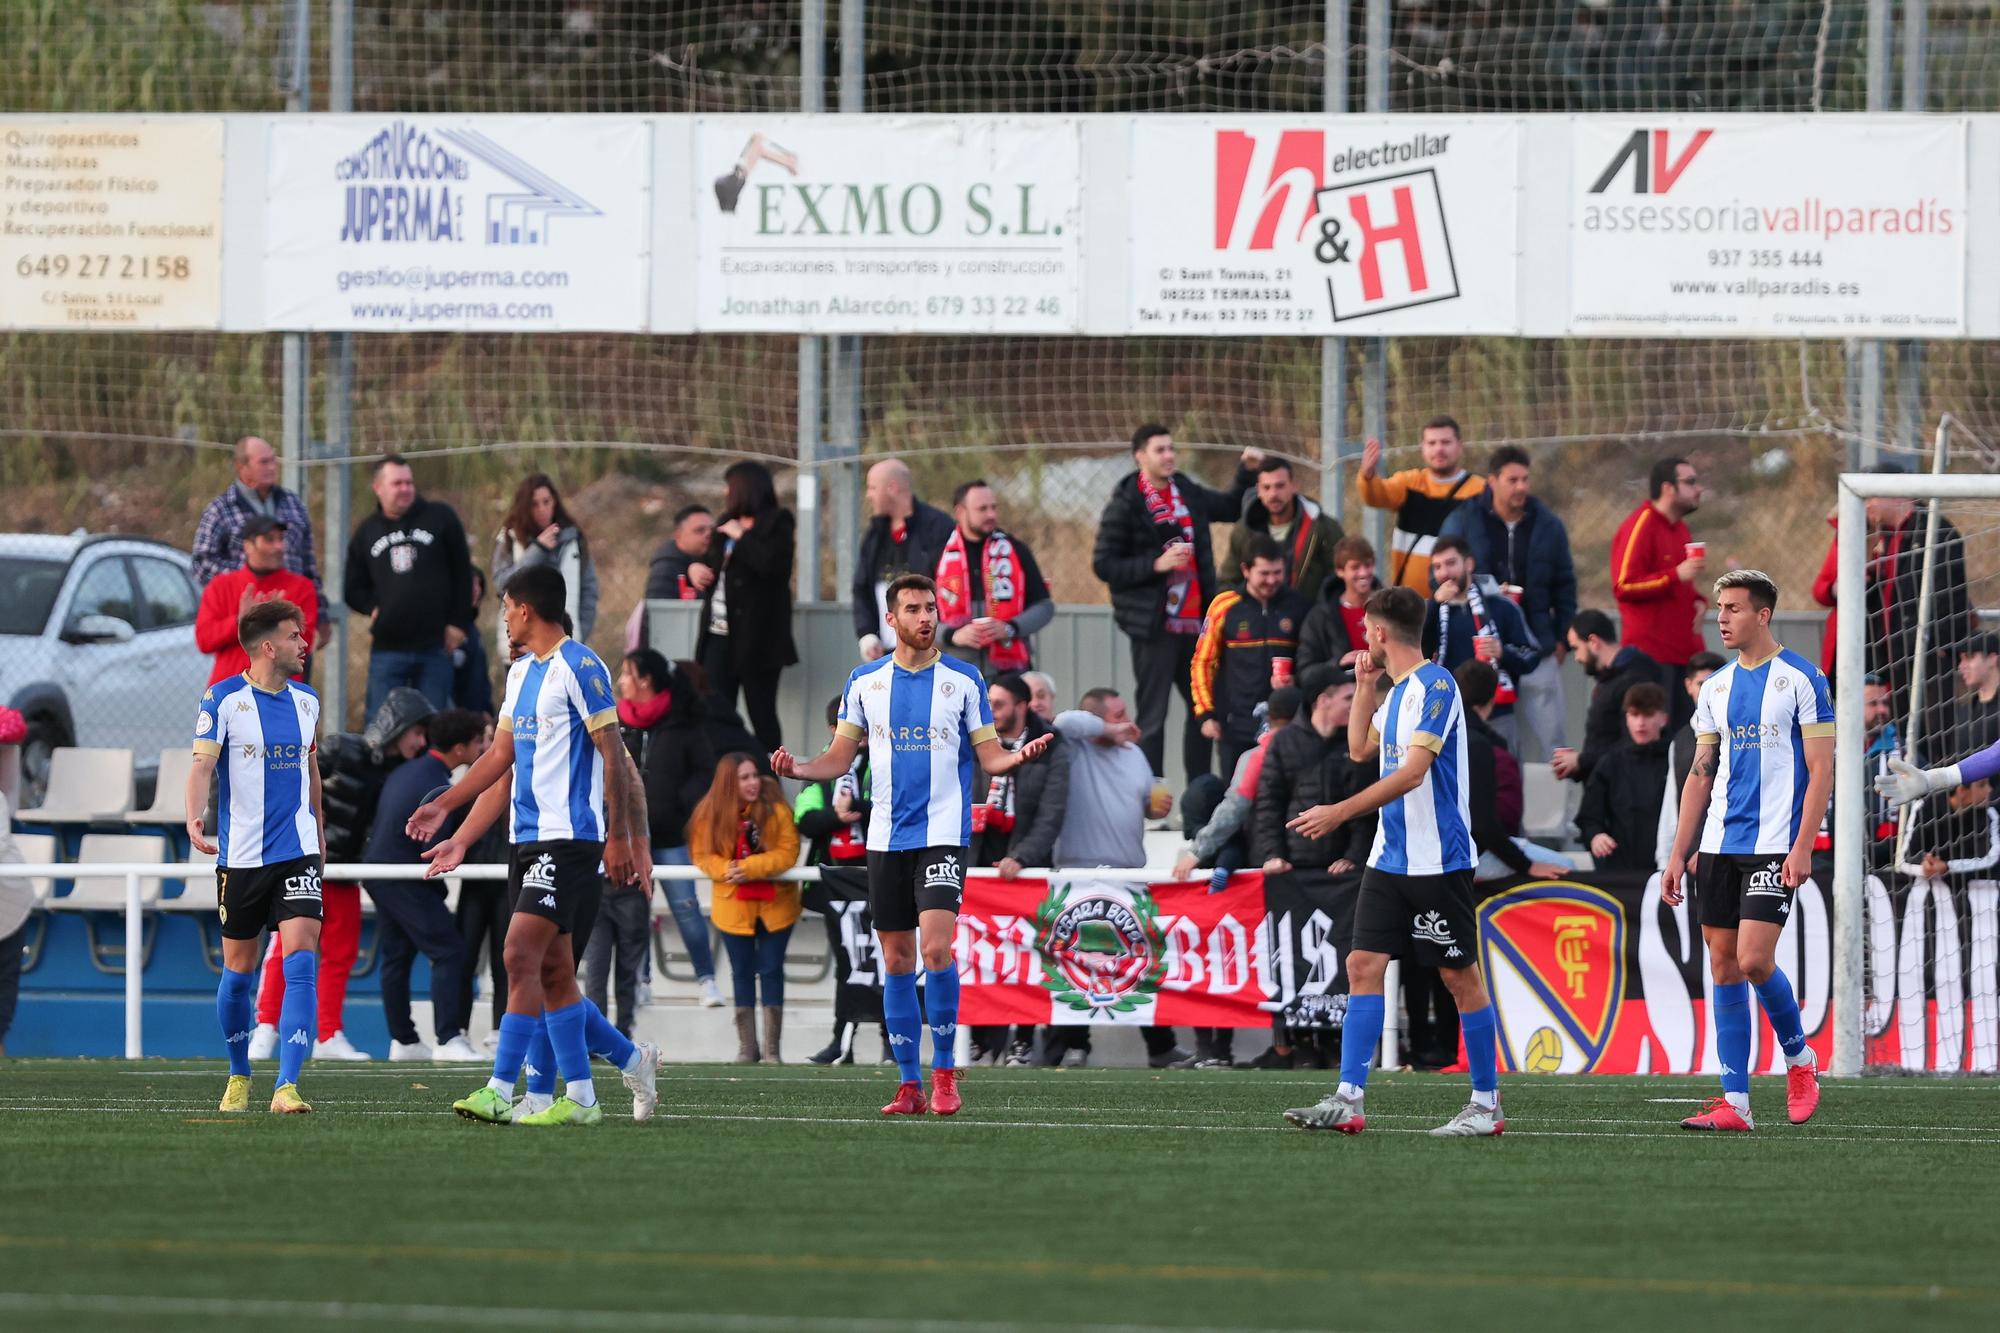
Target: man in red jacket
{"points": [[1655, 567], [260, 577]]}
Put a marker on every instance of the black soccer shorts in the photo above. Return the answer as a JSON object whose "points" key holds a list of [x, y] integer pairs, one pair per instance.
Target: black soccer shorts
{"points": [[1427, 918], [255, 897], [556, 880], [1729, 890], [904, 885]]}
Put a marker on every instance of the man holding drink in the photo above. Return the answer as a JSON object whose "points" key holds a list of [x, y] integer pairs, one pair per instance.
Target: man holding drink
{"points": [[1469, 616], [1245, 650], [1656, 576]]}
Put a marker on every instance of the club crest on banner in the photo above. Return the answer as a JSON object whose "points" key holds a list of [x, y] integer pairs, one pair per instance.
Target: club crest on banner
{"points": [[1554, 955], [1103, 952]]}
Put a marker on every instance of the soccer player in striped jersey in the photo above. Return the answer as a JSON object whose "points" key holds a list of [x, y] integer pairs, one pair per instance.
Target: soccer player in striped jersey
{"points": [[1416, 895], [1763, 769], [926, 719], [574, 807], [260, 730]]}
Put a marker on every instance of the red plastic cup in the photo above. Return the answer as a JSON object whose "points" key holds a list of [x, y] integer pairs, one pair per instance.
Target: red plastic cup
{"points": [[1281, 671], [1696, 550], [981, 813]]}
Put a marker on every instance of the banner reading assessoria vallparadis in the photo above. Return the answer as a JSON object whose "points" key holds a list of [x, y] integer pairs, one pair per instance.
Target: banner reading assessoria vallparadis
{"points": [[1590, 974]]}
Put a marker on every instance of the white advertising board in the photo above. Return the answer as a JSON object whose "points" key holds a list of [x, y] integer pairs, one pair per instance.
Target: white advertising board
{"points": [[487, 223], [886, 224], [1829, 226], [1342, 224], [111, 224]]}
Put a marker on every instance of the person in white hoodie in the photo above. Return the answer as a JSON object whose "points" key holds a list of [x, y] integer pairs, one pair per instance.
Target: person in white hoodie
{"points": [[539, 531]]}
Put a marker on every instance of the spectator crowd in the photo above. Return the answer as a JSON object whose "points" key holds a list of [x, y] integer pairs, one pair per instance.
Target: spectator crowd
{"points": [[1258, 644]]}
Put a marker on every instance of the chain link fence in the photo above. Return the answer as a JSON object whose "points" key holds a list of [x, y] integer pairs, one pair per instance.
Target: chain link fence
{"points": [[129, 433]]}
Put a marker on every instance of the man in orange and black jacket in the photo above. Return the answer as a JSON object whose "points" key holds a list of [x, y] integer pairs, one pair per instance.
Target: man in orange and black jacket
{"points": [[1242, 634]]}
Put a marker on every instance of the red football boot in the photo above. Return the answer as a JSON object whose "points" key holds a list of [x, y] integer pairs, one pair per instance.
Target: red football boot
{"points": [[1719, 1115], [909, 1100], [944, 1092], [1802, 1091]]}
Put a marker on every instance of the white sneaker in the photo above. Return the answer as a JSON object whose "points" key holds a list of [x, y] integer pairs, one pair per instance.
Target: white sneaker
{"points": [[644, 1081], [1475, 1121], [490, 1042], [338, 1047], [457, 1049], [264, 1041], [644, 998], [711, 998], [414, 1052]]}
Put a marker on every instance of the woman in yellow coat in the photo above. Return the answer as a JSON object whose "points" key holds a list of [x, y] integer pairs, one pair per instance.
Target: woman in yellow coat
{"points": [[740, 836]]}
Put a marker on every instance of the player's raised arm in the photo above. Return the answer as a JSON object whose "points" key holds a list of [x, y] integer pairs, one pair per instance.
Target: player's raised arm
{"points": [[833, 761], [1362, 742]]}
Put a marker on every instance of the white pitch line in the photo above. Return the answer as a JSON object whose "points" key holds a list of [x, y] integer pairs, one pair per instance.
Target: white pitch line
{"points": [[516, 1317]]}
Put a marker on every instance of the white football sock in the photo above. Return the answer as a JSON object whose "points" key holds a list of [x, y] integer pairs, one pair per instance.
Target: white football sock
{"points": [[581, 1091]]}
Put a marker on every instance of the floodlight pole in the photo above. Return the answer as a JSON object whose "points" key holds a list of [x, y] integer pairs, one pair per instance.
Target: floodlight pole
{"points": [[1333, 351], [812, 99]]}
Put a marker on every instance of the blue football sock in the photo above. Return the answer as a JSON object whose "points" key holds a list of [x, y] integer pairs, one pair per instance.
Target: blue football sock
{"points": [[604, 1039], [516, 1032], [1732, 1035], [941, 1005], [565, 1027], [541, 1060], [899, 1015], [1359, 1036], [235, 1006], [1782, 1008], [1481, 1060], [299, 1013]]}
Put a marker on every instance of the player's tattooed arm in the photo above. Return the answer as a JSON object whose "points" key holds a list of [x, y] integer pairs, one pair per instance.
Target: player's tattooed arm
{"points": [[1707, 761], [637, 823], [623, 843]]}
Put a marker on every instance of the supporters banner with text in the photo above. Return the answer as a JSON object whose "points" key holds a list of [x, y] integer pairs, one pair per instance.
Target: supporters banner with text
{"points": [[1355, 225], [841, 896], [507, 224], [887, 224], [1767, 226]]}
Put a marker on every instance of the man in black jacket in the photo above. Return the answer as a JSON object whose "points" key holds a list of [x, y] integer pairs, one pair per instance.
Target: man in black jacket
{"points": [[1307, 765], [1594, 640], [1155, 553], [410, 915], [409, 572], [1332, 628], [1021, 812], [904, 536], [1619, 819], [679, 571]]}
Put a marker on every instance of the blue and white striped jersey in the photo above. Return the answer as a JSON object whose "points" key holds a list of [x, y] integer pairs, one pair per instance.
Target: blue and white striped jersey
{"points": [[1758, 715], [1429, 831], [920, 727], [263, 742], [553, 705]]}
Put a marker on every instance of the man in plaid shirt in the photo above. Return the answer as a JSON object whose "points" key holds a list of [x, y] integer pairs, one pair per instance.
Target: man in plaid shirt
{"points": [[217, 538]]}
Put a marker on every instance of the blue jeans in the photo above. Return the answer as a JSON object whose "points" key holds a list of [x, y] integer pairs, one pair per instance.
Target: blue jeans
{"points": [[758, 958], [686, 907], [428, 673]]}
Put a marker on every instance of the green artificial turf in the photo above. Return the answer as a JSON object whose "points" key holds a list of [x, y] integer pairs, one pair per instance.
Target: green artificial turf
{"points": [[777, 1199]]}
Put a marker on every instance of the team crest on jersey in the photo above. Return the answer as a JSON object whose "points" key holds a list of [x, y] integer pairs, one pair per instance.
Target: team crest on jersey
{"points": [[203, 723], [1782, 684], [1103, 952], [949, 689], [1554, 957], [1284, 625]]}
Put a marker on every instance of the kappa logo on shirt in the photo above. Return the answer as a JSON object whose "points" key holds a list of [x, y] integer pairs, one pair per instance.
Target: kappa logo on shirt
{"points": [[541, 874], [548, 900]]}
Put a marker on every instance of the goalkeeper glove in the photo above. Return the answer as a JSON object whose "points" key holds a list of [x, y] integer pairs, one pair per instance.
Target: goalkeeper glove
{"points": [[1905, 783]]}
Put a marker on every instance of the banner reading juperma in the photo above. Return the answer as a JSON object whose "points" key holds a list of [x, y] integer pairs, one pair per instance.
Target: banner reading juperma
{"points": [[1363, 225], [488, 223], [112, 224], [1745, 226], [887, 225]]}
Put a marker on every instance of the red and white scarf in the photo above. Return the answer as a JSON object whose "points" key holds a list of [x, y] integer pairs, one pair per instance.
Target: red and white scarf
{"points": [[1504, 693], [1184, 600], [1002, 582]]}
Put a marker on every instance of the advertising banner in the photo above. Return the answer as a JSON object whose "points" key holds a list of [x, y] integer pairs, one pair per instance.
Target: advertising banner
{"points": [[1822, 227], [886, 225], [112, 224], [474, 223], [1353, 225]]}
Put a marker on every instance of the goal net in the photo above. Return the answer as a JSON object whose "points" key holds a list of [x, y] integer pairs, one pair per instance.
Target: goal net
{"points": [[1917, 966]]}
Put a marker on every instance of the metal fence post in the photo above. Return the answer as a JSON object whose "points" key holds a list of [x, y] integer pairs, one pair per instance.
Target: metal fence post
{"points": [[1864, 364], [337, 445], [844, 370], [812, 98], [295, 76], [1375, 351], [1916, 94], [1849, 791], [135, 966], [1333, 351]]}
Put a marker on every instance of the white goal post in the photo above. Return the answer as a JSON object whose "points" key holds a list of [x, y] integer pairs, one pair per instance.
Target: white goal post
{"points": [[1851, 769]]}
